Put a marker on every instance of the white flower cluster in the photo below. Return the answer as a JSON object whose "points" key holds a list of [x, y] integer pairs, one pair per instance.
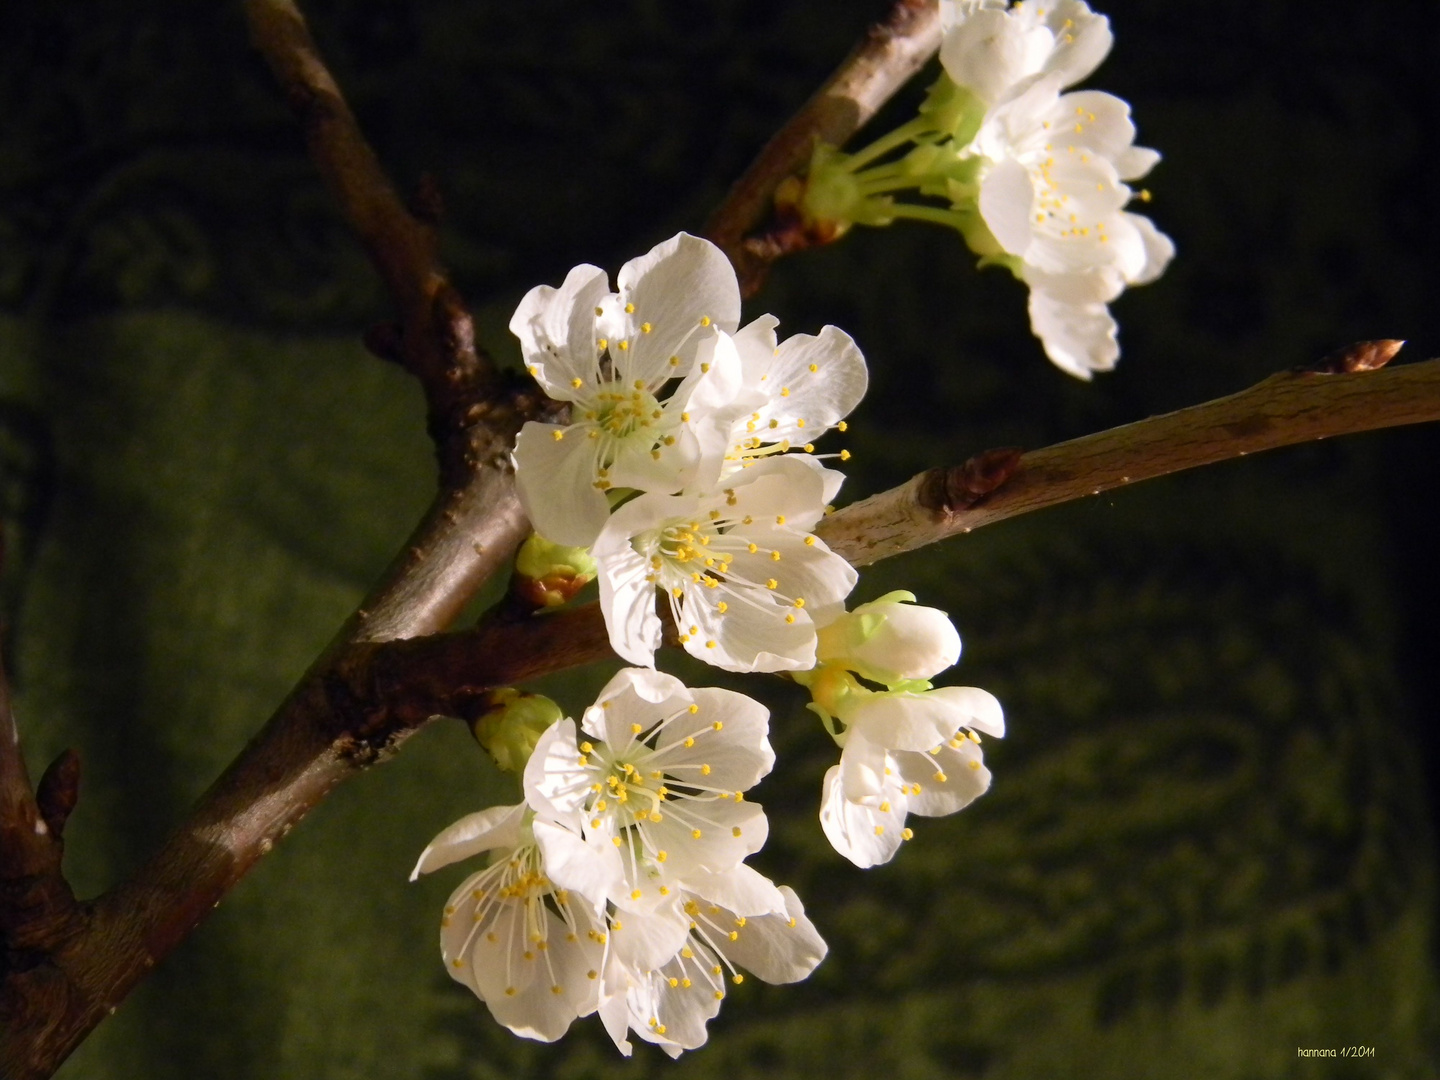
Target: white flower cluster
{"points": [[675, 467], [907, 749], [1036, 179], [1051, 167], [618, 886]]}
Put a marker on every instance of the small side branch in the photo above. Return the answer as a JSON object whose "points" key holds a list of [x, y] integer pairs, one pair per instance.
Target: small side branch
{"points": [[435, 336], [1285, 409], [887, 56]]}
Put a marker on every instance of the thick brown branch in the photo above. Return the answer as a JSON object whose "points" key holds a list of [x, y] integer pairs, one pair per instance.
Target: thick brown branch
{"points": [[322, 733], [1289, 408], [887, 56]]}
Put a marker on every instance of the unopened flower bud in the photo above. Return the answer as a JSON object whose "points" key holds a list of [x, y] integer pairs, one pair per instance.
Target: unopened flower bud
{"points": [[512, 725], [549, 575], [891, 641]]}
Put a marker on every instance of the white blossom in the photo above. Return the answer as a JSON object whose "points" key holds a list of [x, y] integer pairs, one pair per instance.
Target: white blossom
{"points": [[782, 397], [995, 51], [614, 357], [531, 951], [1053, 193], [905, 752], [734, 921], [745, 577], [650, 792]]}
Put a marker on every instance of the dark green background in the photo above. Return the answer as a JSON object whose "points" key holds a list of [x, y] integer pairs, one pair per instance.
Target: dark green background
{"points": [[1209, 840]]}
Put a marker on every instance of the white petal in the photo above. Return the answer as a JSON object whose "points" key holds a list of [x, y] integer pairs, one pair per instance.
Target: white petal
{"points": [[906, 721], [1082, 40], [1006, 198], [1135, 161], [646, 942], [591, 866], [865, 771], [737, 752], [864, 834], [740, 891], [773, 949], [1078, 338], [804, 404], [986, 53], [556, 783], [1159, 249], [555, 480], [627, 599], [497, 827], [673, 287], [641, 696], [965, 778], [729, 831], [556, 328]]}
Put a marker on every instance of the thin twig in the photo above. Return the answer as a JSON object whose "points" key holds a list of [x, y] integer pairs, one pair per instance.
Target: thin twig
{"points": [[1289, 408], [891, 51], [440, 674]]}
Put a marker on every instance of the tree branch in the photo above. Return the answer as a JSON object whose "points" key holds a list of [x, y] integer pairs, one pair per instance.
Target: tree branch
{"points": [[321, 734], [891, 51], [1288, 408]]}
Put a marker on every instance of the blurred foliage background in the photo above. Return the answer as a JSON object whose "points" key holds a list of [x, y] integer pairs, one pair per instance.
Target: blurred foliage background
{"points": [[1210, 837]]}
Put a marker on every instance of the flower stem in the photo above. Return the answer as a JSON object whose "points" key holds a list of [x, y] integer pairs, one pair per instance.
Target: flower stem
{"points": [[899, 137]]}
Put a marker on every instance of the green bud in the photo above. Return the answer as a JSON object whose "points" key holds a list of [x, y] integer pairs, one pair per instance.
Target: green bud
{"points": [[512, 725], [548, 574]]}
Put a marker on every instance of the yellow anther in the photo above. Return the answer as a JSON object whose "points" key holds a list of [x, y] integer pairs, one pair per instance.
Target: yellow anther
{"points": [[669, 440], [879, 830], [457, 962], [973, 764], [800, 422], [655, 815], [604, 343], [884, 808], [844, 455], [645, 328], [842, 426], [719, 995], [558, 434], [674, 361], [717, 725], [704, 369], [694, 709], [695, 834], [624, 346], [677, 593], [592, 974], [940, 778], [809, 448], [907, 834], [737, 978], [689, 742], [790, 618], [710, 644], [774, 423], [814, 367], [635, 729], [629, 309], [615, 840], [771, 583], [704, 320], [704, 769], [735, 832], [734, 934], [799, 601], [599, 311], [774, 556], [809, 541], [595, 823], [533, 369], [722, 607], [784, 391], [635, 895]]}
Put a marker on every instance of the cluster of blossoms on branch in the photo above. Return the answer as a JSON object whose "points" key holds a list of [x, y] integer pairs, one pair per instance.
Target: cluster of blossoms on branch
{"points": [[1034, 178], [688, 476]]}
